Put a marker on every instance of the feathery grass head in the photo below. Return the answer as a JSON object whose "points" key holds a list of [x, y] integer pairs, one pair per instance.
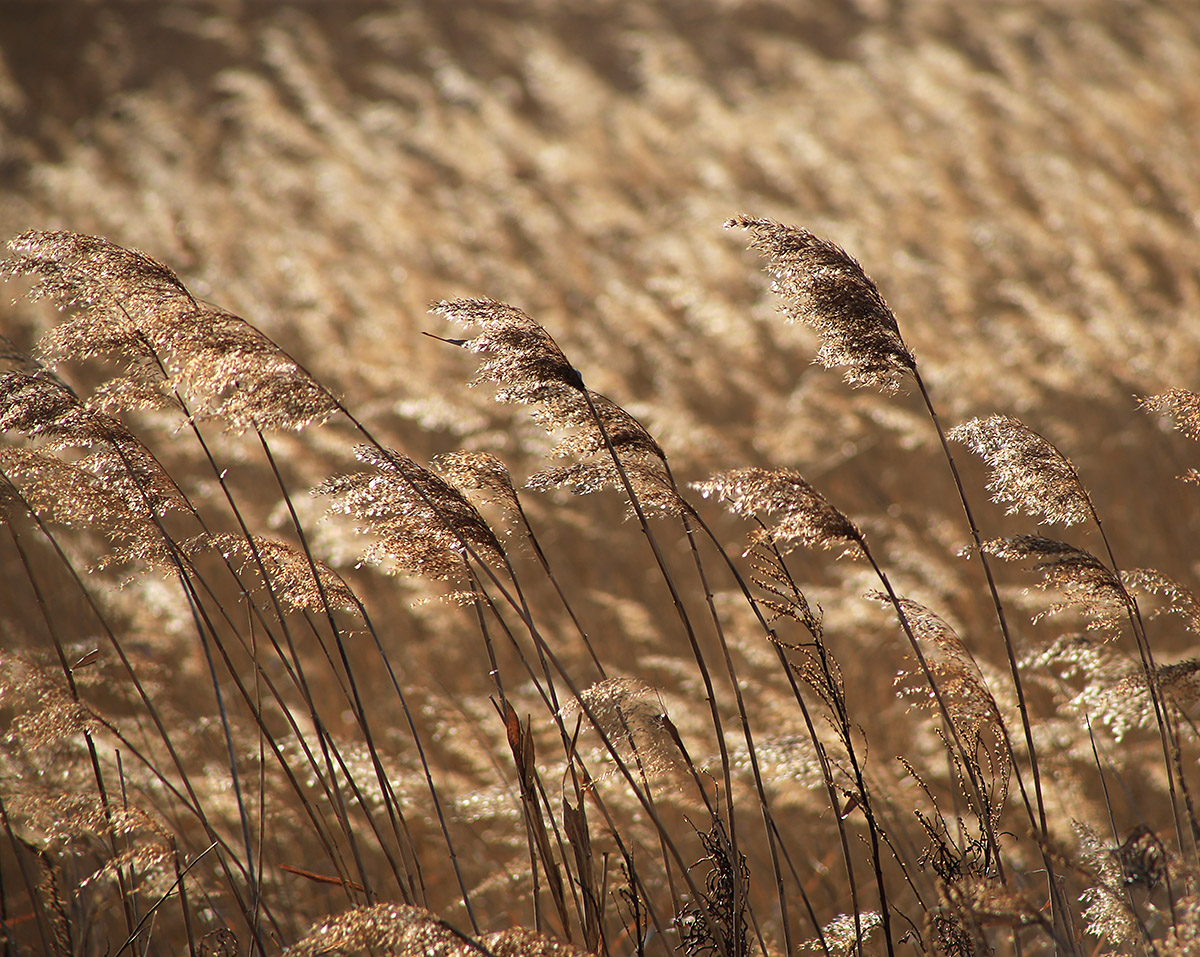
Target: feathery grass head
{"points": [[823, 286], [1026, 472], [1183, 407], [522, 358], [804, 516], [125, 304], [43, 407], [631, 715], [1083, 579], [113, 290], [1103, 684], [406, 931], [67, 494], [964, 689], [649, 481], [529, 367], [845, 934], [1173, 596], [480, 472], [287, 570], [421, 521], [1107, 912]]}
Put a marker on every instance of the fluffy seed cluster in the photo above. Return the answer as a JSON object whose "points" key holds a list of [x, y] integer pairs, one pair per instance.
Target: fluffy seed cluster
{"points": [[129, 306], [1026, 472], [73, 496], [803, 516], [823, 286], [286, 569], [631, 715], [1182, 405], [484, 473], [528, 367], [970, 702], [1084, 580], [421, 522], [406, 931]]}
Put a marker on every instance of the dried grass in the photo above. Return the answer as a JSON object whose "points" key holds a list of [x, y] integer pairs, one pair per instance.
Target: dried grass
{"points": [[226, 733]]}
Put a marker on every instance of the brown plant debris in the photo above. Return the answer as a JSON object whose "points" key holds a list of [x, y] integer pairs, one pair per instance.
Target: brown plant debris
{"points": [[1026, 472], [718, 928], [1143, 858], [823, 286]]}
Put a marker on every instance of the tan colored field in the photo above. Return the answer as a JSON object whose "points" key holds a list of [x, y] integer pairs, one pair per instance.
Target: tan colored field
{"points": [[246, 719]]}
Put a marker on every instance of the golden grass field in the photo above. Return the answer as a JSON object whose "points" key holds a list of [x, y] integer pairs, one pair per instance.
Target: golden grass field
{"points": [[282, 673]]}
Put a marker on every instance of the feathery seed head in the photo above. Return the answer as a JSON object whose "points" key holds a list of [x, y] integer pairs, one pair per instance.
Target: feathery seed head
{"points": [[964, 689], [522, 357], [824, 287], [1026, 472], [1182, 405], [805, 517], [421, 521], [1084, 580], [128, 305]]}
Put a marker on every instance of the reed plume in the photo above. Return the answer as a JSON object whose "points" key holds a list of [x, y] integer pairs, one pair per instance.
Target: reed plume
{"points": [[823, 286], [127, 306], [421, 522], [1025, 471], [804, 517], [1084, 581]]}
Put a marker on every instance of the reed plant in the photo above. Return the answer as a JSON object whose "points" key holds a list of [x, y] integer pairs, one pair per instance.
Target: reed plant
{"points": [[661, 604], [256, 762]]}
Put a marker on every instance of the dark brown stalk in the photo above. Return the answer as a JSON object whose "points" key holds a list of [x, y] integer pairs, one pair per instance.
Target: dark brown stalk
{"points": [[764, 803], [558, 590], [395, 814], [646, 801], [133, 936], [184, 909], [681, 611], [56, 638], [151, 711], [20, 853], [545, 649], [825, 287], [252, 545], [1161, 714], [843, 723], [845, 732]]}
